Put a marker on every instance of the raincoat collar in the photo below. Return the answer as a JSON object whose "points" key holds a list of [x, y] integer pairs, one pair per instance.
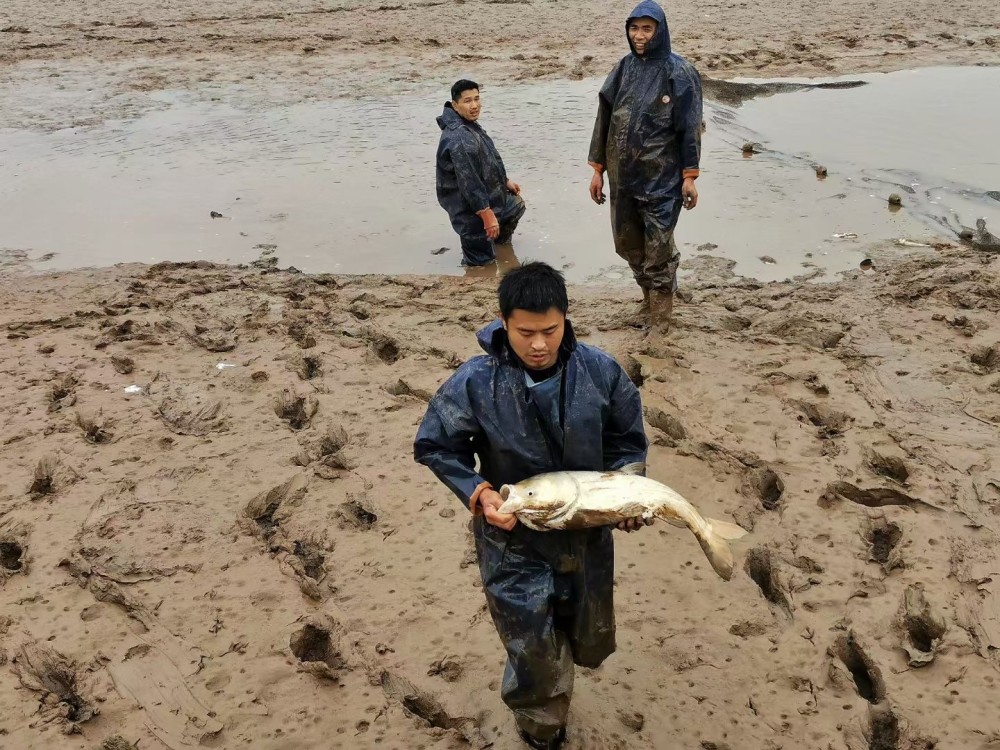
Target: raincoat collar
{"points": [[493, 340], [659, 46]]}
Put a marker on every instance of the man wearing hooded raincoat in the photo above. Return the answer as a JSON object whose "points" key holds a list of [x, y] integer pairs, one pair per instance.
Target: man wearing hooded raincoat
{"points": [[484, 205], [647, 138], [538, 401]]}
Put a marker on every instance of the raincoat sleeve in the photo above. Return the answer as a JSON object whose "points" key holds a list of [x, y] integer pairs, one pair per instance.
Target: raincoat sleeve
{"points": [[445, 443], [599, 140], [469, 173], [624, 438], [689, 109]]}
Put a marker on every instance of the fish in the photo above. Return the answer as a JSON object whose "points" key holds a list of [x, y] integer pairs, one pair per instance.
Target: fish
{"points": [[567, 500]]}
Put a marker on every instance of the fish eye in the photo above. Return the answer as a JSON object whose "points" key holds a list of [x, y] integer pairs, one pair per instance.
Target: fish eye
{"points": [[530, 493]]}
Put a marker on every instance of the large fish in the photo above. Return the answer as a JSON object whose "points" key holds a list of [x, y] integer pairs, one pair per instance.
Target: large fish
{"points": [[584, 499]]}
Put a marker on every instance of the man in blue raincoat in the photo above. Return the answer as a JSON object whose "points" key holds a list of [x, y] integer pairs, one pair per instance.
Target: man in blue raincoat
{"points": [[484, 205], [537, 401], [647, 138]]}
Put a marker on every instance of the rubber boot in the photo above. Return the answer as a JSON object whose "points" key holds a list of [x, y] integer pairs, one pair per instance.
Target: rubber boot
{"points": [[661, 308]]}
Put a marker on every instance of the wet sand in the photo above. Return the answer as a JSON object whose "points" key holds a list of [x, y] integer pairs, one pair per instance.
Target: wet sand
{"points": [[211, 530], [245, 541]]}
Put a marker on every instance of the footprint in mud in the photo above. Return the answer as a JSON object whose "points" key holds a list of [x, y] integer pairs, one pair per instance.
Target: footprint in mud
{"points": [[891, 467], [311, 559], [449, 669], [306, 366], [358, 512], [425, 706], [888, 731], [668, 424], [187, 411], [761, 568], [13, 552], [922, 626], [259, 515], [876, 497], [883, 538], [317, 648], [47, 478], [96, 427], [383, 346], [802, 330], [301, 334], [62, 392], [766, 485], [297, 410], [860, 667], [830, 423]]}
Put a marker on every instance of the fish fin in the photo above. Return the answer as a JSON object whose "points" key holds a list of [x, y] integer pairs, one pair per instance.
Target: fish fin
{"points": [[726, 529], [638, 469], [673, 521]]}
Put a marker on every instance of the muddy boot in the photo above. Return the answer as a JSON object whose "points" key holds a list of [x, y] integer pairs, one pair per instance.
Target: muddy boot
{"points": [[661, 308]]}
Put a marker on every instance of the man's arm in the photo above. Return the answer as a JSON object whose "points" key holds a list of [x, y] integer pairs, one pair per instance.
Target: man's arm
{"points": [[469, 173], [444, 444], [597, 157], [624, 437], [688, 109]]}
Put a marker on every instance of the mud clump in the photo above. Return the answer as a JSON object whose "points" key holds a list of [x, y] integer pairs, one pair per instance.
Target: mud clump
{"points": [[308, 367], [923, 627], [45, 671], [117, 742], [11, 556], [62, 392], [297, 410], [44, 479], [123, 365], [867, 677], [96, 427], [762, 570], [830, 423], [447, 669], [986, 358], [312, 560], [260, 516]]}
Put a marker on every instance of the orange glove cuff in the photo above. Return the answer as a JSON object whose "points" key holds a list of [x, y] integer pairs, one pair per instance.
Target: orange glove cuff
{"points": [[691, 174]]}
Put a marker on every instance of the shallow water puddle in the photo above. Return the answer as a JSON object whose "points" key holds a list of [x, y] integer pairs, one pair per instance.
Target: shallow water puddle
{"points": [[348, 185]]}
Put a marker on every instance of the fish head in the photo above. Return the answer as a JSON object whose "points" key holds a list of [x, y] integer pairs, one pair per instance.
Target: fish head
{"points": [[538, 499]]}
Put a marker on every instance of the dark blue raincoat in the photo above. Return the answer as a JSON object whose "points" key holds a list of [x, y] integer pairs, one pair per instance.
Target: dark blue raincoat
{"points": [[550, 593], [648, 129], [471, 177]]}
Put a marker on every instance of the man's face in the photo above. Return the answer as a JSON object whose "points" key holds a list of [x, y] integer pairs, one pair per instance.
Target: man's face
{"points": [[467, 105], [536, 337], [640, 33]]}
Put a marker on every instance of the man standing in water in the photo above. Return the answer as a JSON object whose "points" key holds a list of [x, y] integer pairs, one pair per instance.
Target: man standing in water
{"points": [[537, 402], [648, 139], [484, 205]]}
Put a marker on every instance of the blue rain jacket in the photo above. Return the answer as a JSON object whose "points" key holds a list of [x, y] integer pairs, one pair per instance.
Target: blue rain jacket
{"points": [[648, 129], [470, 174], [484, 410]]}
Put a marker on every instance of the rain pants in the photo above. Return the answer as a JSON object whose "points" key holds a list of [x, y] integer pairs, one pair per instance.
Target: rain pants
{"points": [[648, 137], [471, 177], [550, 593]]}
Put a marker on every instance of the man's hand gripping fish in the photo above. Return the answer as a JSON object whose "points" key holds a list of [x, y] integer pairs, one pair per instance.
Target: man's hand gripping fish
{"points": [[584, 499]]}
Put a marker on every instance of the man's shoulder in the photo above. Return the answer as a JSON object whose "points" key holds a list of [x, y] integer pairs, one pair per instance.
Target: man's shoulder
{"points": [[683, 69], [594, 355], [476, 370]]}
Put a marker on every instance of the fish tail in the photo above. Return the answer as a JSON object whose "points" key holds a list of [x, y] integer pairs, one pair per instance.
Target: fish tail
{"points": [[726, 529], [716, 549]]}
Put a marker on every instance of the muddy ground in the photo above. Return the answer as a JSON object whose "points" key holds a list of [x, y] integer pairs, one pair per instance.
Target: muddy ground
{"points": [[104, 59], [246, 555]]}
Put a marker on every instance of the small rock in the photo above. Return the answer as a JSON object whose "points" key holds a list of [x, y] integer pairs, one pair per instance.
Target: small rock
{"points": [[215, 215], [752, 148], [46, 349], [821, 171], [767, 259], [439, 251], [895, 200]]}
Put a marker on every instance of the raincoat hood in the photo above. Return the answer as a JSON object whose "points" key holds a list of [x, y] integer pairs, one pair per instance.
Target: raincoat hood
{"points": [[493, 340], [449, 117], [659, 46]]}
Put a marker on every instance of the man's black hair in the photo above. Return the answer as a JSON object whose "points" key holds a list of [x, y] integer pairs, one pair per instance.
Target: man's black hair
{"points": [[535, 287], [461, 87]]}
